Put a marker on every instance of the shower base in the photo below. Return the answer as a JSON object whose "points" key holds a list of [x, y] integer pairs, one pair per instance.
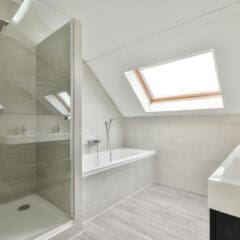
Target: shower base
{"points": [[31, 221]]}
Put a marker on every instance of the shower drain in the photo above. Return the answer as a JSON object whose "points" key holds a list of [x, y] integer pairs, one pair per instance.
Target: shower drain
{"points": [[24, 207]]}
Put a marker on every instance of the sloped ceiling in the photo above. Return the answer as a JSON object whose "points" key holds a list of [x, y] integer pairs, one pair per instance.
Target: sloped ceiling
{"points": [[37, 23], [121, 35]]}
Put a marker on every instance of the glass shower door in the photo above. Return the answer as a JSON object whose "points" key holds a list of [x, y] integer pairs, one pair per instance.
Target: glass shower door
{"points": [[36, 192]]}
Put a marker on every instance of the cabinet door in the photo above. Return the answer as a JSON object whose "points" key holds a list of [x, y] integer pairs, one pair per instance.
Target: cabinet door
{"points": [[224, 227]]}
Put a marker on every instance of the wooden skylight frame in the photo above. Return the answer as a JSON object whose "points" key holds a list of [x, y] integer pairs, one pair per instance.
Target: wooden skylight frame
{"points": [[151, 99]]}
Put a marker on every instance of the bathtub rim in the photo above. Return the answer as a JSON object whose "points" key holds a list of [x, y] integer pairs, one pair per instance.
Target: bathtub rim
{"points": [[134, 158]]}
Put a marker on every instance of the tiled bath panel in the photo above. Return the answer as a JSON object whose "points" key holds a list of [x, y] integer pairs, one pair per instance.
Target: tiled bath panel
{"points": [[104, 189]]}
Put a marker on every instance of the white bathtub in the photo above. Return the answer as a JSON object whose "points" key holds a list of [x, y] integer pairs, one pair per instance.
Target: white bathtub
{"points": [[92, 164]]}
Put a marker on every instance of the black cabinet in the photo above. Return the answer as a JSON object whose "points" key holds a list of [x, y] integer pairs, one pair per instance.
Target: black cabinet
{"points": [[223, 226]]}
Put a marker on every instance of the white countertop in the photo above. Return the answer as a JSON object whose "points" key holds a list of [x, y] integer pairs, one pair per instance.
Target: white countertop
{"points": [[224, 186], [25, 139]]}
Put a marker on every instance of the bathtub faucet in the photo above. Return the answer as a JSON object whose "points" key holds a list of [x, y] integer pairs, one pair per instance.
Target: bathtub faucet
{"points": [[93, 142], [108, 128]]}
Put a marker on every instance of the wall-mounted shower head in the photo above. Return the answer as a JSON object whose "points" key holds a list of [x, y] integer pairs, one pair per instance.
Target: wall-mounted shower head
{"points": [[3, 23]]}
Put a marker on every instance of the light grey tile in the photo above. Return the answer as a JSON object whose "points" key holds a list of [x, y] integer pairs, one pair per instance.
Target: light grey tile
{"points": [[101, 191], [189, 148], [157, 212], [97, 108]]}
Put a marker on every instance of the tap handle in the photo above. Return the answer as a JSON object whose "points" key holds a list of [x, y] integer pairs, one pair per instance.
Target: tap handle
{"points": [[93, 142]]}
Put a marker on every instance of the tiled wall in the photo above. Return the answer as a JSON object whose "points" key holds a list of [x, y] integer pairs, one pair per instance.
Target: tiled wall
{"points": [[17, 93], [53, 158], [97, 107], [189, 148]]}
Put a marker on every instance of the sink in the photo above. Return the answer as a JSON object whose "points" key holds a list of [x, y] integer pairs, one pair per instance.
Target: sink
{"points": [[224, 186]]}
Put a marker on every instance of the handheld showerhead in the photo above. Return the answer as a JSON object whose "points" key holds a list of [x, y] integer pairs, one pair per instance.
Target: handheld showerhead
{"points": [[108, 124], [110, 121], [108, 128]]}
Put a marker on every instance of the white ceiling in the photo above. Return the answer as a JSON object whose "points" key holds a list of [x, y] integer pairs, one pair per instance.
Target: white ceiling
{"points": [[36, 24], [112, 24], [121, 35]]}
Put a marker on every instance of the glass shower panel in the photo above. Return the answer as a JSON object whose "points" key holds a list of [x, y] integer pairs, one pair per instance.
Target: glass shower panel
{"points": [[35, 91], [17, 115], [53, 119]]}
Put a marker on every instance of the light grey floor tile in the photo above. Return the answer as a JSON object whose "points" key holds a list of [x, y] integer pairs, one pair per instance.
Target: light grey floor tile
{"points": [[156, 213]]}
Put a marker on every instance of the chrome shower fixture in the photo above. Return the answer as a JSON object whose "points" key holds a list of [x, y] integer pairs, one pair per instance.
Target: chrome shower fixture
{"points": [[3, 23], [108, 124], [108, 128]]}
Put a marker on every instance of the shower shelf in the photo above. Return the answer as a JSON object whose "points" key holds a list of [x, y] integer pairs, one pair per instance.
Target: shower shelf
{"points": [[25, 139]]}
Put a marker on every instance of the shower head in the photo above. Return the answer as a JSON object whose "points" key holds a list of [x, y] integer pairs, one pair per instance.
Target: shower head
{"points": [[108, 124], [3, 23]]}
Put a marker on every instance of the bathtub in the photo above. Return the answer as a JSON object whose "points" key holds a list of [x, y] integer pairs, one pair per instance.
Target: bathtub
{"points": [[106, 182], [95, 163]]}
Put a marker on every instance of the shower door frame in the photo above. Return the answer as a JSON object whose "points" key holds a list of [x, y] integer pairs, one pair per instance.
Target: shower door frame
{"points": [[76, 118], [74, 226]]}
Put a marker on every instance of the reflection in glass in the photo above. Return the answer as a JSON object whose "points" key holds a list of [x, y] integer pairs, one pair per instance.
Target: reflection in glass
{"points": [[58, 104], [65, 98], [23, 9], [35, 164]]}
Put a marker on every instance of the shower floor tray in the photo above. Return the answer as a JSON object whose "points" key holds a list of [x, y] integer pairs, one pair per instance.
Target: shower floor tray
{"points": [[35, 217]]}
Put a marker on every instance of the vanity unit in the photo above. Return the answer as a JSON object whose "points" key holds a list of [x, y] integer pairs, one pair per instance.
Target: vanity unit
{"points": [[224, 199]]}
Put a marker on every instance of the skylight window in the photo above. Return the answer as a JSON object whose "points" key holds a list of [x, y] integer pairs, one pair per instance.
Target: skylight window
{"points": [[57, 104], [64, 96], [184, 84]]}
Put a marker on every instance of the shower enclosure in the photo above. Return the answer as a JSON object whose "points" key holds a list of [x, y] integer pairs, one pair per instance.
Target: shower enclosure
{"points": [[37, 117]]}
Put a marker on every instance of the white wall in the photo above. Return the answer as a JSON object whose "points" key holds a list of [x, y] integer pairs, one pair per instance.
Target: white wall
{"points": [[189, 148], [98, 107]]}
